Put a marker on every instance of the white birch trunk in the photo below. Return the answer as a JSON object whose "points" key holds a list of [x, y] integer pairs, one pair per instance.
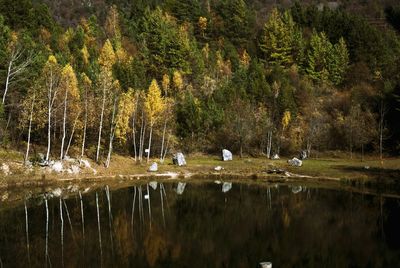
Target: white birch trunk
{"points": [[101, 124], [64, 125], [26, 158], [143, 136], [84, 125], [166, 149], [112, 131], [162, 142], [72, 135], [7, 80], [15, 69], [151, 133]]}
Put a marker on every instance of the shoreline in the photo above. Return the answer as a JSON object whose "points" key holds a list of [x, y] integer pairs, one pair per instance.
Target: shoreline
{"points": [[372, 173]]}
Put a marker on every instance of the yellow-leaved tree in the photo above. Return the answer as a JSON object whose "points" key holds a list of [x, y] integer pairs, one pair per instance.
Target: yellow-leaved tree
{"points": [[165, 84], [116, 88], [126, 107], [71, 99], [86, 85], [51, 76], [106, 61], [286, 120], [154, 106], [178, 81]]}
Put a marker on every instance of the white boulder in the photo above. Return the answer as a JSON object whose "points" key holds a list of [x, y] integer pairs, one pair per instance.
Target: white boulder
{"points": [[275, 157], [226, 155], [295, 162], [179, 159], [57, 167], [6, 169], [153, 167]]}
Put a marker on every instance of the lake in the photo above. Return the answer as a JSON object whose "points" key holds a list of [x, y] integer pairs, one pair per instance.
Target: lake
{"points": [[200, 224]]}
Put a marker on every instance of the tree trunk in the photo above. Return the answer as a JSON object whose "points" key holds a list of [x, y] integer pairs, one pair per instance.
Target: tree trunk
{"points": [[26, 158], [166, 149], [72, 135], [162, 143], [134, 136], [151, 132], [112, 130], [269, 144], [381, 128], [7, 80], [308, 148], [48, 131], [84, 125], [142, 146], [140, 139], [101, 124], [64, 125]]}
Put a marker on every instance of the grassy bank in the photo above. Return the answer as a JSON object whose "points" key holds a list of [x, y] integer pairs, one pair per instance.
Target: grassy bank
{"points": [[387, 170]]}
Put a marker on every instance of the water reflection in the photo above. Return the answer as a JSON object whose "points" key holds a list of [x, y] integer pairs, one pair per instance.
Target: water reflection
{"points": [[198, 225]]}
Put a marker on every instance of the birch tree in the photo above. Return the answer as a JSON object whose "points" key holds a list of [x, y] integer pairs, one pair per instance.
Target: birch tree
{"points": [[86, 85], [154, 105], [106, 61], [27, 114], [115, 96], [69, 87], [51, 74], [18, 62]]}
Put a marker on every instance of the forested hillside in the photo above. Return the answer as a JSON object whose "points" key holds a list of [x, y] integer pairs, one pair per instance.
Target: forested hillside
{"points": [[93, 77]]}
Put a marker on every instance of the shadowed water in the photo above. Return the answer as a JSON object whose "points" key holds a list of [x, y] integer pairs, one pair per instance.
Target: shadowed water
{"points": [[202, 225]]}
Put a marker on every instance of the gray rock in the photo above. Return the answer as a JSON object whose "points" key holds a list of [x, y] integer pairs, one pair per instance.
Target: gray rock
{"points": [[179, 159], [153, 167], [275, 157], [303, 155], [295, 162], [226, 155]]}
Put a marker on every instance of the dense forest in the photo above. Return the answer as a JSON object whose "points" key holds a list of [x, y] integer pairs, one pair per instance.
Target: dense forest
{"points": [[93, 77]]}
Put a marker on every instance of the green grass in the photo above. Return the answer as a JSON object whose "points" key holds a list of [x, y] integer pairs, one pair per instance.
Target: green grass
{"points": [[329, 167]]}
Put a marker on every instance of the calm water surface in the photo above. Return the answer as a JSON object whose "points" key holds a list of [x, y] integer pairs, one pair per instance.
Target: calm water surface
{"points": [[202, 225]]}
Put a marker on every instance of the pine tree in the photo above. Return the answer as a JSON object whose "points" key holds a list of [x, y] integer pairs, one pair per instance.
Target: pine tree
{"points": [[339, 62], [281, 41]]}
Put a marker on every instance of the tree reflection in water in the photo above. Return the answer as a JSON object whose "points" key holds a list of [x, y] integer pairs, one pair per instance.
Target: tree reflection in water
{"points": [[203, 227]]}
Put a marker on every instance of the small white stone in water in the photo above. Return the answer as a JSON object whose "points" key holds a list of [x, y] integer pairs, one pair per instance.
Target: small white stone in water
{"points": [[146, 196], [226, 187], [57, 192], [86, 190], [266, 264], [217, 182], [4, 196], [153, 184]]}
